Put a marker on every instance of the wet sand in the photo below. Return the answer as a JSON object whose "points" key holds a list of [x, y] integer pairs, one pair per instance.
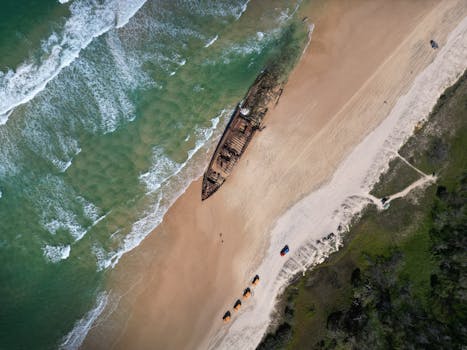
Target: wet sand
{"points": [[174, 288]]}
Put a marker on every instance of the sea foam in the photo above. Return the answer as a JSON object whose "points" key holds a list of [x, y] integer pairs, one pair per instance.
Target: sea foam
{"points": [[75, 338], [212, 41], [252, 45], [62, 209], [56, 253], [87, 21], [165, 181], [126, 10]]}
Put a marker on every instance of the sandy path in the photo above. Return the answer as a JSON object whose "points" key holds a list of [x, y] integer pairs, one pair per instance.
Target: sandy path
{"points": [[423, 181], [410, 165], [173, 289]]}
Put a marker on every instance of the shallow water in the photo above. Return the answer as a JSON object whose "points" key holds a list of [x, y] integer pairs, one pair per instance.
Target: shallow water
{"points": [[107, 109]]}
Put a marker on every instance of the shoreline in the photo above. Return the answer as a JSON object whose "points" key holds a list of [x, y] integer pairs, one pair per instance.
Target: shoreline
{"points": [[171, 287]]}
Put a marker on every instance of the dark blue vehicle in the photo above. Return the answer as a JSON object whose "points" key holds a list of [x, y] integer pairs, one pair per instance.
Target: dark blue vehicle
{"points": [[285, 250]]}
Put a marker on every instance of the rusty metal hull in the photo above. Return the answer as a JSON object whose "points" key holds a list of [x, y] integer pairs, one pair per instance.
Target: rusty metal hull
{"points": [[243, 124]]}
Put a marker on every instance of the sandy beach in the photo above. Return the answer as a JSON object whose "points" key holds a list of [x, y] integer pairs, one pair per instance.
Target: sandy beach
{"points": [[171, 291]]}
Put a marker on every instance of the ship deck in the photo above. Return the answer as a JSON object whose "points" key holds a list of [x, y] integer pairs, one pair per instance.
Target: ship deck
{"points": [[244, 122]]}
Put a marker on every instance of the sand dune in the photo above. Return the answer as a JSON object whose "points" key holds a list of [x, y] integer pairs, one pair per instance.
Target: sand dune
{"points": [[364, 56]]}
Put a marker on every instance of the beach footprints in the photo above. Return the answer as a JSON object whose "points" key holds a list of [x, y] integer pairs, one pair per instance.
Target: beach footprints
{"points": [[247, 293]]}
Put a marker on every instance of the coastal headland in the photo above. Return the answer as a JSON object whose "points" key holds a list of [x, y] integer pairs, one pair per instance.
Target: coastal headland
{"points": [[171, 291]]}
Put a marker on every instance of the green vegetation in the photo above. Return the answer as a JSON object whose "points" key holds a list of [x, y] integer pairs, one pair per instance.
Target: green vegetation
{"points": [[400, 281]]}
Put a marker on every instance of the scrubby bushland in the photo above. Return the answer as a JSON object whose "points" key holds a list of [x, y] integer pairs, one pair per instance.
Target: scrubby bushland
{"points": [[385, 314]]}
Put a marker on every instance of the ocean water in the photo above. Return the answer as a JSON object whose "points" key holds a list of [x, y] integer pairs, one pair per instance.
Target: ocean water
{"points": [[108, 109]]}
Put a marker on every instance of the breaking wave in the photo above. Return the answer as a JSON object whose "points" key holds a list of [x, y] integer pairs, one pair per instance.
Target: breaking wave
{"points": [[88, 20], [75, 338], [165, 181], [61, 206], [212, 41], [56, 253]]}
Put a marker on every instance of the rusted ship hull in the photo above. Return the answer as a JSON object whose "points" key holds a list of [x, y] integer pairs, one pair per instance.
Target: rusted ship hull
{"points": [[244, 122], [233, 143]]}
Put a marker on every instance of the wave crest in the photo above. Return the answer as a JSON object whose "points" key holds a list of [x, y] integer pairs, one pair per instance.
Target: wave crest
{"points": [[87, 21]]}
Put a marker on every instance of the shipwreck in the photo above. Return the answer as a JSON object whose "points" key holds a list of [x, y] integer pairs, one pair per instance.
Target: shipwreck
{"points": [[246, 119]]}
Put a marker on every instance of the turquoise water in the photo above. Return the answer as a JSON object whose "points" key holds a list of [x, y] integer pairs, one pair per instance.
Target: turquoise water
{"points": [[107, 111]]}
